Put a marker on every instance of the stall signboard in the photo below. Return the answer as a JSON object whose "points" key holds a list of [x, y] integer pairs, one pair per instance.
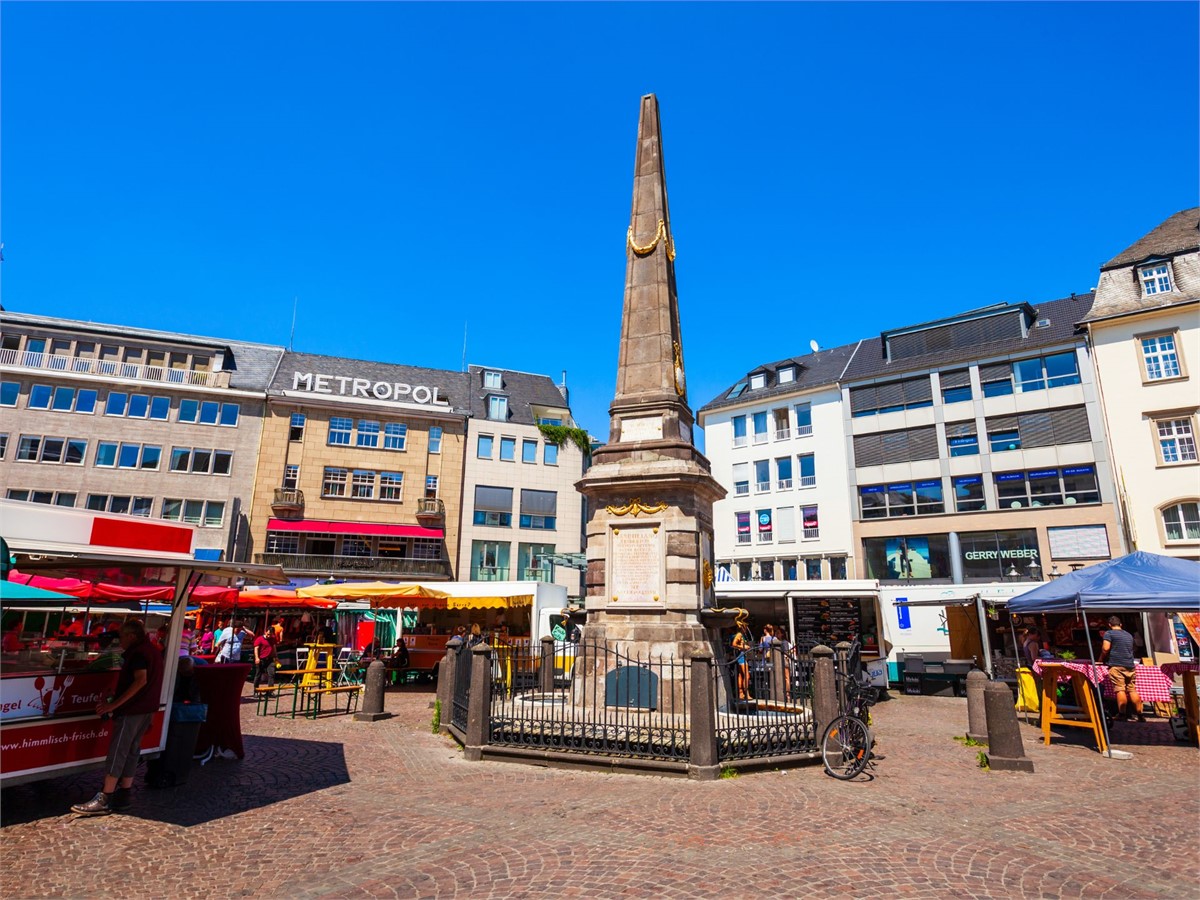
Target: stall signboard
{"points": [[53, 694], [829, 619], [44, 746]]}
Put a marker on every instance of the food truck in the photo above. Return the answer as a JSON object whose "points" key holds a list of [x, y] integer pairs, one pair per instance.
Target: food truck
{"points": [[58, 659]]}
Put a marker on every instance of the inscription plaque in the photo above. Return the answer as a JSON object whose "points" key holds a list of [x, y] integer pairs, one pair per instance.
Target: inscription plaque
{"points": [[636, 565], [646, 428]]}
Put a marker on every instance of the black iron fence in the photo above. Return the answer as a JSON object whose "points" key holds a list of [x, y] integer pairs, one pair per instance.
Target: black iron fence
{"points": [[763, 703], [848, 672], [461, 701], [590, 698]]}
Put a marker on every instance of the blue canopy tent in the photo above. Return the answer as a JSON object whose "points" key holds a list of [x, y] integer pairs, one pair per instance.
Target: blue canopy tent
{"points": [[1139, 582]]}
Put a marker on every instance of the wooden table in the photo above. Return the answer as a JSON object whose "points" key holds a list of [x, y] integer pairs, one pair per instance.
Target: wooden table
{"points": [[314, 655], [1191, 707], [1085, 697]]}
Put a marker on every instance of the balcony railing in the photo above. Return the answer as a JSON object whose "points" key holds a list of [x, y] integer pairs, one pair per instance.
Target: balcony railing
{"points": [[389, 565], [782, 434], [740, 440], [743, 538], [741, 488], [288, 502], [535, 574], [761, 487], [489, 573], [760, 437], [808, 481], [803, 430], [811, 533], [110, 368], [431, 511]]}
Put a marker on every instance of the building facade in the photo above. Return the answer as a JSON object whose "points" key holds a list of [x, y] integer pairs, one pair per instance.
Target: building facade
{"points": [[1144, 328], [131, 421], [360, 471], [774, 439], [977, 448], [520, 504]]}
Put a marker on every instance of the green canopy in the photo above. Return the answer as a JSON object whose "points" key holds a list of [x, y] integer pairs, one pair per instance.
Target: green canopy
{"points": [[12, 590]]}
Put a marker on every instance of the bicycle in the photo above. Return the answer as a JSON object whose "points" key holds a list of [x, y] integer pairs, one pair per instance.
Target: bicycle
{"points": [[846, 744]]}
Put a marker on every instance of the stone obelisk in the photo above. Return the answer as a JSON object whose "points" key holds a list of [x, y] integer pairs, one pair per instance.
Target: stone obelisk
{"points": [[650, 492]]}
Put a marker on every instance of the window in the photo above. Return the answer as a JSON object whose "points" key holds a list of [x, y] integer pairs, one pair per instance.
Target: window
{"points": [[1155, 278], [435, 439], [339, 431], [291, 476], [760, 427], [1176, 441], [741, 478], [160, 408], [996, 379], [362, 485], [783, 427], [229, 419], [1160, 358], [39, 396], [483, 446], [529, 451], [368, 434], [962, 439], [492, 380], [116, 403], [956, 386], [895, 446], [892, 396], [808, 470], [85, 402], [489, 561], [498, 408], [803, 419], [968, 493], [296, 427], [353, 546], [920, 498], [214, 514], [539, 509], [139, 406], [395, 436], [1068, 425], [106, 454], [550, 454], [64, 399], [785, 525], [334, 482], [193, 511], [758, 381], [201, 461], [743, 527], [222, 462], [29, 448], [431, 487], [1047, 487], [1046, 372], [783, 472], [744, 568], [208, 412], [493, 505], [812, 569], [76, 452], [3, 445], [508, 449], [188, 410], [766, 529], [762, 475], [1181, 522], [391, 486], [9, 392], [787, 375], [810, 523], [181, 459], [1004, 439], [837, 568], [739, 431]]}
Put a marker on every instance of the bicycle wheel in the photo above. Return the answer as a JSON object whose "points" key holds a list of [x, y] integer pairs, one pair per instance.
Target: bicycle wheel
{"points": [[846, 747]]}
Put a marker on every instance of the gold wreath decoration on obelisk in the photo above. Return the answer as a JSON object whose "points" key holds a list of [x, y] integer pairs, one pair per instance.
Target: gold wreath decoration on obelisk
{"points": [[636, 507], [708, 575], [660, 234]]}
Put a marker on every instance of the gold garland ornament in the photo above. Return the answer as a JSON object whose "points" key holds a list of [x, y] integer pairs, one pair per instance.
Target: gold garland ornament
{"points": [[660, 234], [680, 378], [708, 575], [636, 507]]}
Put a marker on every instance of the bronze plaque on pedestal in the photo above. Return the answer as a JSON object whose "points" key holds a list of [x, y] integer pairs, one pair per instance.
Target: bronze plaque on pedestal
{"points": [[636, 568]]}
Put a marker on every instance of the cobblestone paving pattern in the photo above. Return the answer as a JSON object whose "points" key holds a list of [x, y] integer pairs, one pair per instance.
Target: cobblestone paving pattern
{"points": [[337, 808]]}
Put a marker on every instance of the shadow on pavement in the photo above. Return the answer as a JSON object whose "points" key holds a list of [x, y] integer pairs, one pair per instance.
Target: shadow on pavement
{"points": [[274, 769]]}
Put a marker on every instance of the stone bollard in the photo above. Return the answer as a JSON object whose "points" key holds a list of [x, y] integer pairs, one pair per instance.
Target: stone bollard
{"points": [[825, 706], [976, 713], [479, 708], [841, 662], [702, 761], [546, 668], [1005, 750], [372, 702], [445, 683]]}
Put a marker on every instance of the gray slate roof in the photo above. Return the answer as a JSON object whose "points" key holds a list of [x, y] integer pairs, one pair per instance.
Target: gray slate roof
{"points": [[869, 361], [523, 389], [1179, 234], [813, 370], [452, 386], [251, 365]]}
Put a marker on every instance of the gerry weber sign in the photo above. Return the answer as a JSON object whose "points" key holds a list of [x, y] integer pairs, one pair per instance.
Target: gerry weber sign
{"points": [[361, 387]]}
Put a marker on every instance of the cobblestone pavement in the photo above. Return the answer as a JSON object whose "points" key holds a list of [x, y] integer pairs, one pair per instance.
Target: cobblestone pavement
{"points": [[337, 808]]}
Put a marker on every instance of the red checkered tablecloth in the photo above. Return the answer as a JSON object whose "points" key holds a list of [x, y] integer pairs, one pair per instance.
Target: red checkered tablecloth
{"points": [[1153, 686], [1178, 668]]}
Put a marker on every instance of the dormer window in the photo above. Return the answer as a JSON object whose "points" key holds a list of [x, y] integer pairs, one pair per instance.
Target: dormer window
{"points": [[491, 379], [758, 381], [498, 408], [787, 374], [1155, 278]]}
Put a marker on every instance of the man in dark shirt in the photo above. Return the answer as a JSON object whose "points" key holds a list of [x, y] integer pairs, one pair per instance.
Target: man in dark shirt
{"points": [[1118, 653], [139, 688]]}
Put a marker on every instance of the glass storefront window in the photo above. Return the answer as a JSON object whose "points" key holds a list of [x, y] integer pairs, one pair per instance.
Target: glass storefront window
{"points": [[991, 555], [1079, 485], [1045, 489], [916, 556], [968, 493]]}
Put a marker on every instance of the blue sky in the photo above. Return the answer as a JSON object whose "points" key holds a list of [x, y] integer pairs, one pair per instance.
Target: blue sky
{"points": [[408, 169]]}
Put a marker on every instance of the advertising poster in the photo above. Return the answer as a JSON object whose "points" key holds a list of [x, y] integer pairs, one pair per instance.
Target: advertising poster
{"points": [[908, 558]]}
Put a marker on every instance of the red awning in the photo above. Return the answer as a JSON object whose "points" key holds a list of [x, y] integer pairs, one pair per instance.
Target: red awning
{"points": [[100, 591], [356, 528]]}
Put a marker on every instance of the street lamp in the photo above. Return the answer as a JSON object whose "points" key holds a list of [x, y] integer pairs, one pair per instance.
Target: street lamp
{"points": [[1054, 573], [1034, 569], [1012, 571]]}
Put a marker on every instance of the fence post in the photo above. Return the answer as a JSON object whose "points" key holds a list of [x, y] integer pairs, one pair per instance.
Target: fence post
{"points": [[479, 713], [825, 698], [842, 660], [702, 714], [445, 684], [546, 668]]}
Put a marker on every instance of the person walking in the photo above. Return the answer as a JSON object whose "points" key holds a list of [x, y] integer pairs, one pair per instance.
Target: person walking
{"points": [[1117, 651], [229, 644], [264, 658], [139, 687]]}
